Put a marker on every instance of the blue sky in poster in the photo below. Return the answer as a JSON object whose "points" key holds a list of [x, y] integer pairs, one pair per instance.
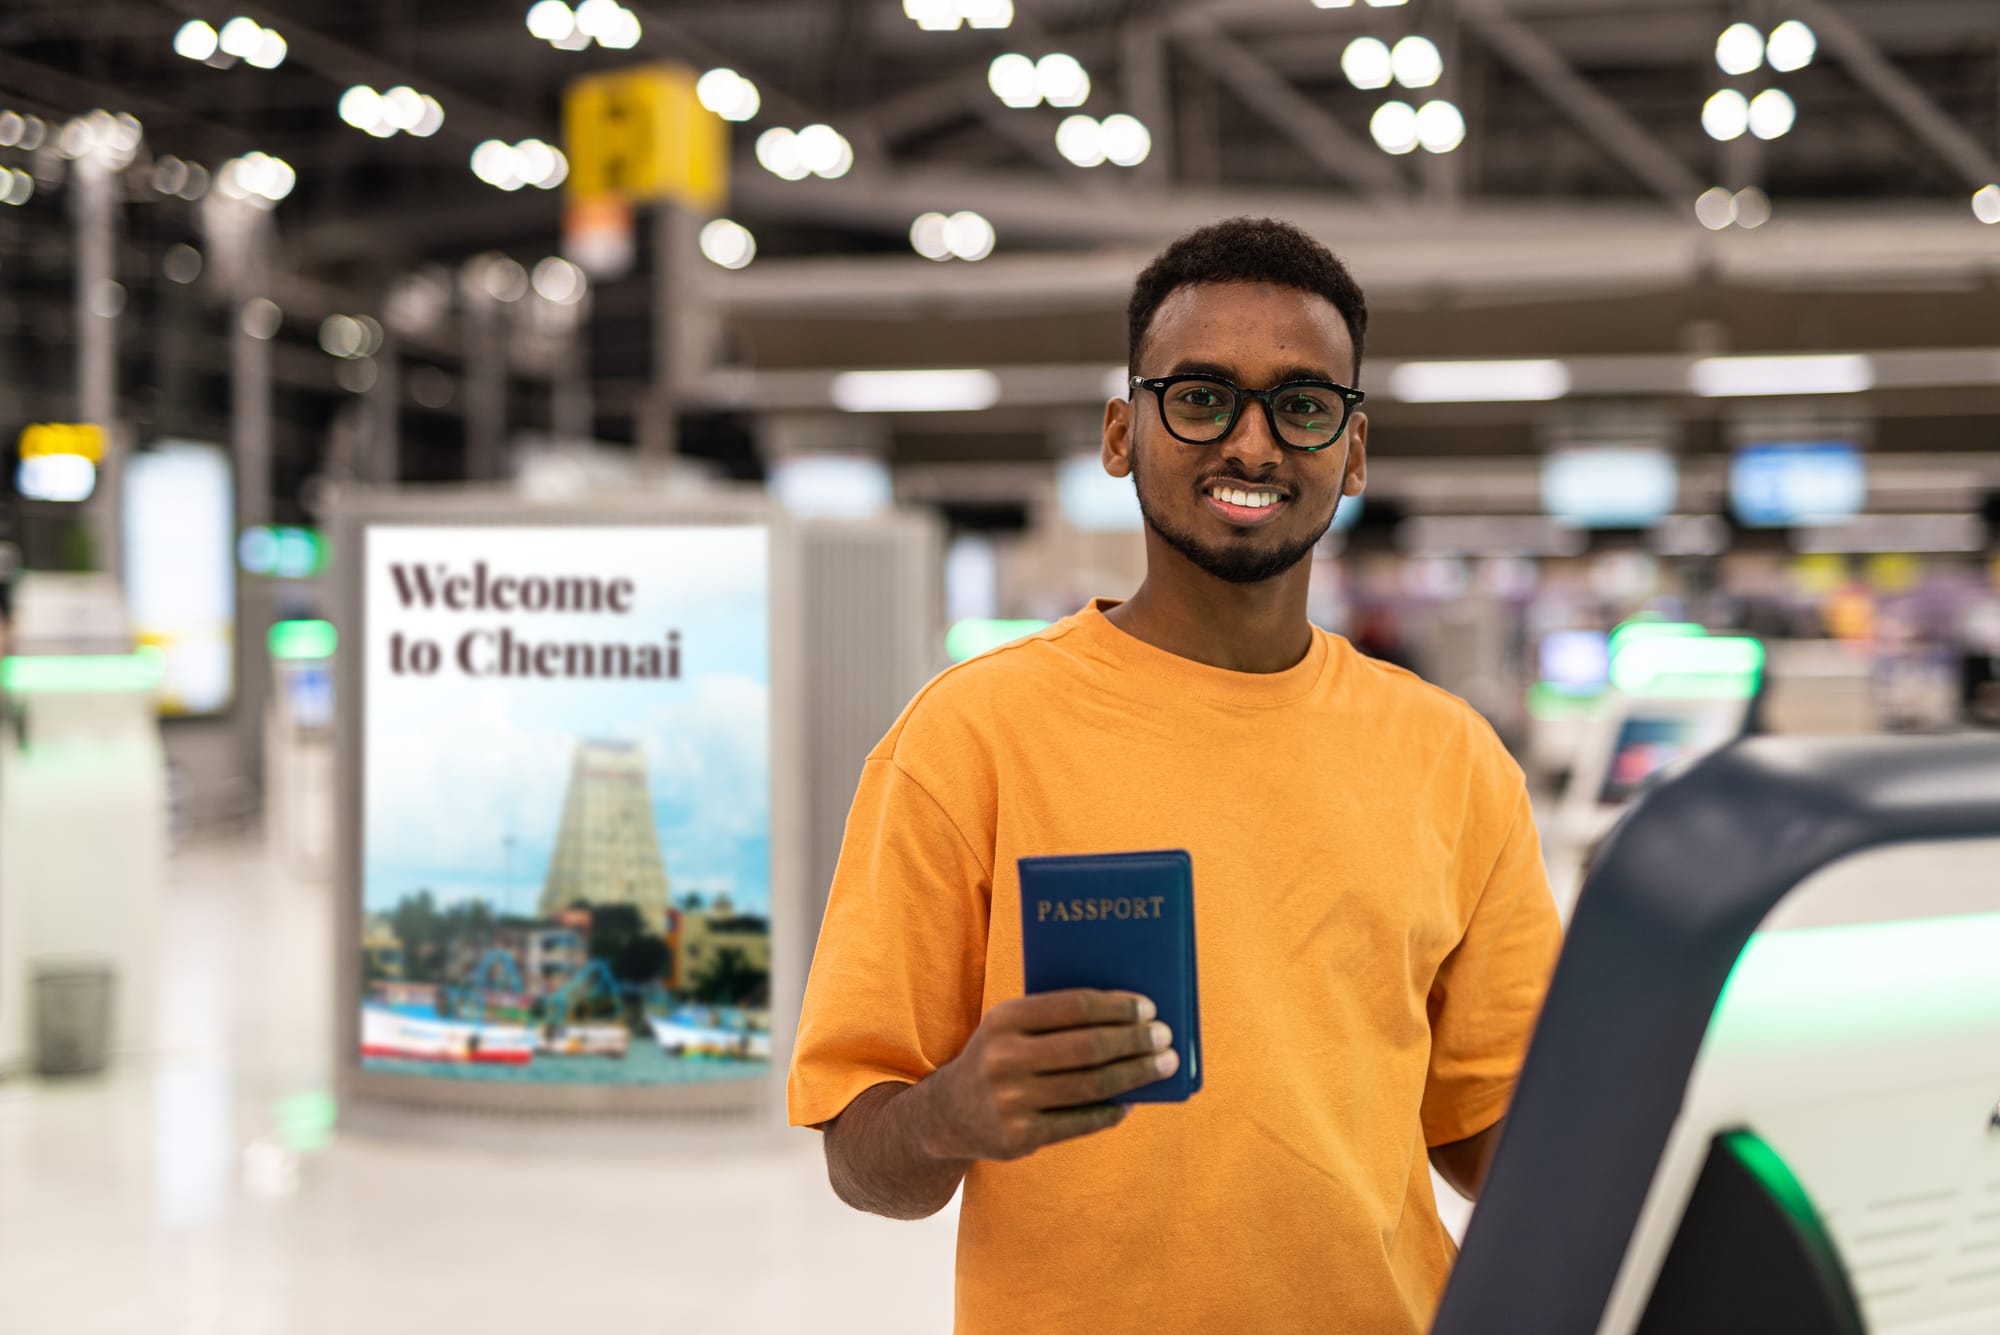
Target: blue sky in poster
{"points": [[465, 775]]}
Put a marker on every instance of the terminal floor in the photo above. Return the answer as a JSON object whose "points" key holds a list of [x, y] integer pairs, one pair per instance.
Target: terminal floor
{"points": [[161, 1197]]}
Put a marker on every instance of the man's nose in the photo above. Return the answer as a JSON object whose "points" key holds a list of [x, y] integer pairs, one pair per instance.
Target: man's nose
{"points": [[1252, 444]]}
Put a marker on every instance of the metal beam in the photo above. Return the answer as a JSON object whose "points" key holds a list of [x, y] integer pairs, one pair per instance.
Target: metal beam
{"points": [[1899, 93], [1595, 114], [1319, 136]]}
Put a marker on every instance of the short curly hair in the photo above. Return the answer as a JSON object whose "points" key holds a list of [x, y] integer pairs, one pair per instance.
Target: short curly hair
{"points": [[1246, 250]]}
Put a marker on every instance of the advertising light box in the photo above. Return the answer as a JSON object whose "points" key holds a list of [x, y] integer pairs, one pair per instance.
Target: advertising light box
{"points": [[178, 519], [1616, 487], [565, 849]]}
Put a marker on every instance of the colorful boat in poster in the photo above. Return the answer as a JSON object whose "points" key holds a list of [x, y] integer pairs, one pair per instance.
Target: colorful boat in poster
{"points": [[389, 1033], [583, 1040], [703, 1032]]}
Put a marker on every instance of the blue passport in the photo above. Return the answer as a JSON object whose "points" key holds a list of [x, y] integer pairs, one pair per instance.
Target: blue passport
{"points": [[1122, 922]]}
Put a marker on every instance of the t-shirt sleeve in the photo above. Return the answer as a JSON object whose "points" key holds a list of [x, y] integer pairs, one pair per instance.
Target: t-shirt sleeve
{"points": [[899, 972], [1486, 995]]}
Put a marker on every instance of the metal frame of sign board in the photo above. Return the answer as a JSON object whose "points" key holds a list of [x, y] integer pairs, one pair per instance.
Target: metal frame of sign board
{"points": [[753, 1099]]}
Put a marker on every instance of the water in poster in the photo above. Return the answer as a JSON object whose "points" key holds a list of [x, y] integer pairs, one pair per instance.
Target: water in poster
{"points": [[566, 804]]}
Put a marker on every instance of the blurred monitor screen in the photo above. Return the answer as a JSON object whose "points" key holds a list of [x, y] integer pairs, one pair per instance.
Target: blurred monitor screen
{"points": [[309, 692], [55, 477], [1645, 746], [1347, 514], [1619, 487], [180, 570], [831, 486], [1576, 662], [1093, 500], [1809, 482]]}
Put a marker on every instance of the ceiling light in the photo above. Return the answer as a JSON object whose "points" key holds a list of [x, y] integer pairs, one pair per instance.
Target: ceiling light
{"points": [[493, 162], [1726, 115], [1367, 63], [1772, 113], [499, 276], [934, 15], [261, 318], [1986, 204], [169, 175], [915, 391], [927, 236], [1061, 80], [19, 186], [1440, 126], [1127, 141], [728, 243], [240, 37], [1080, 139], [624, 31], [824, 152], [968, 235], [557, 280], [551, 20], [271, 50], [1753, 207], [596, 18], [1736, 377], [778, 154], [181, 263], [257, 176], [987, 13], [196, 40], [728, 94], [361, 106], [1479, 382], [1012, 79], [340, 336], [1792, 46], [1387, 4], [1394, 126], [431, 120], [1333, 4], [1415, 62], [1715, 208], [1740, 49], [404, 106]]}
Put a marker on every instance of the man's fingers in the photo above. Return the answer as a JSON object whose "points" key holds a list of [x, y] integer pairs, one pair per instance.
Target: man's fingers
{"points": [[1073, 1008], [1078, 1049], [1069, 1123], [1075, 1088]]}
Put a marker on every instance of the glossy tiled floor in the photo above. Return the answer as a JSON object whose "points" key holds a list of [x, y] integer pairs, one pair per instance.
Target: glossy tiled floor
{"points": [[161, 1198]]}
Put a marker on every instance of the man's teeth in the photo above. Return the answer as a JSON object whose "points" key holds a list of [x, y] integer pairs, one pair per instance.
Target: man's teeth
{"points": [[1255, 500]]}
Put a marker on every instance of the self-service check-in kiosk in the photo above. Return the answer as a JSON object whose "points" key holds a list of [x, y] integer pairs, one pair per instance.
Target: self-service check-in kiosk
{"points": [[299, 747], [1764, 1093]]}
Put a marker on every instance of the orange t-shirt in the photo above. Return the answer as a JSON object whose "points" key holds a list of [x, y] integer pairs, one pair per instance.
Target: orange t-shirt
{"points": [[1375, 933]]}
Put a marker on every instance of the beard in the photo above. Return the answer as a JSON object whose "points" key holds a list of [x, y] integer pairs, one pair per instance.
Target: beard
{"points": [[1237, 564]]}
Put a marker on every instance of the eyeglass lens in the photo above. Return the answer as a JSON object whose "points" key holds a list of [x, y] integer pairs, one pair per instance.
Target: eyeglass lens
{"points": [[1202, 410]]}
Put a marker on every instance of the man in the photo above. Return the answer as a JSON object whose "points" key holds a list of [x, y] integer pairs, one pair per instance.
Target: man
{"points": [[1375, 927]]}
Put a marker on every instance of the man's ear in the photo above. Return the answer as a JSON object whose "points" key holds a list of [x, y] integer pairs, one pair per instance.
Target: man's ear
{"points": [[1117, 450], [1356, 479]]}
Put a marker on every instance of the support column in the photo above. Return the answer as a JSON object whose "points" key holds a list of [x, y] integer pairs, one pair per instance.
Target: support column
{"points": [[94, 207], [658, 428], [485, 386]]}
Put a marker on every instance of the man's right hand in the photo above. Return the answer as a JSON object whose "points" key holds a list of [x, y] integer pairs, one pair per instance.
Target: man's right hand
{"points": [[1039, 1069]]}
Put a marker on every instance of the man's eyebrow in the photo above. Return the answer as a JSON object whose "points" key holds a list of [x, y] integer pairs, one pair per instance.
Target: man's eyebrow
{"points": [[1286, 376]]}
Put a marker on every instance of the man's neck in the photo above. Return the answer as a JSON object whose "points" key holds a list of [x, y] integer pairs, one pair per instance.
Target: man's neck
{"points": [[1241, 627]]}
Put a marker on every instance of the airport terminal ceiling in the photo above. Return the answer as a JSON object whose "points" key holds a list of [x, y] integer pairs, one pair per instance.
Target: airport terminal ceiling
{"points": [[1567, 209]]}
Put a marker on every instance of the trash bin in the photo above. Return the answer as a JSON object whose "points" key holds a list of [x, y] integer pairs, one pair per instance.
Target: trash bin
{"points": [[72, 1017]]}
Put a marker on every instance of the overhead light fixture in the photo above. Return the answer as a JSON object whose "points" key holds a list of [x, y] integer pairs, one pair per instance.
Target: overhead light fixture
{"points": [[1061, 80], [817, 150], [1791, 47], [605, 22], [1127, 141], [915, 391], [196, 40], [728, 94], [1986, 204], [511, 166], [1080, 139], [401, 110], [271, 50], [1479, 382], [947, 15], [1394, 128], [1731, 377], [1415, 62], [1726, 115], [728, 243], [17, 187], [1772, 113], [1367, 63], [968, 235], [927, 236], [256, 176], [1753, 207], [240, 37], [1013, 80], [557, 280], [1715, 209], [1440, 126], [1740, 49]]}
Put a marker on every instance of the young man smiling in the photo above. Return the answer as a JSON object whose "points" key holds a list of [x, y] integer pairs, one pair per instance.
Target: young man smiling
{"points": [[1375, 925]]}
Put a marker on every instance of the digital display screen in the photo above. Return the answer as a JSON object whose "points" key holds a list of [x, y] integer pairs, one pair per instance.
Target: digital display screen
{"points": [[1576, 662], [178, 513], [1619, 487], [309, 694], [1644, 747], [1810, 482], [566, 804]]}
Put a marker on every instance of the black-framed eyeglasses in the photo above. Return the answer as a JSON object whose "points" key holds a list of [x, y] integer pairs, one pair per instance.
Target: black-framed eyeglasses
{"points": [[1305, 415]]}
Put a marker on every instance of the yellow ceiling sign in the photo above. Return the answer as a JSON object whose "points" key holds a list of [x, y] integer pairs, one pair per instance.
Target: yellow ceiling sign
{"points": [[47, 438], [641, 135]]}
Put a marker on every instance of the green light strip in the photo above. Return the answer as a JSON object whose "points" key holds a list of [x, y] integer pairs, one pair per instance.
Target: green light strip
{"points": [[975, 635], [1639, 631], [78, 673], [1553, 704], [303, 639], [1732, 665], [1762, 1162]]}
